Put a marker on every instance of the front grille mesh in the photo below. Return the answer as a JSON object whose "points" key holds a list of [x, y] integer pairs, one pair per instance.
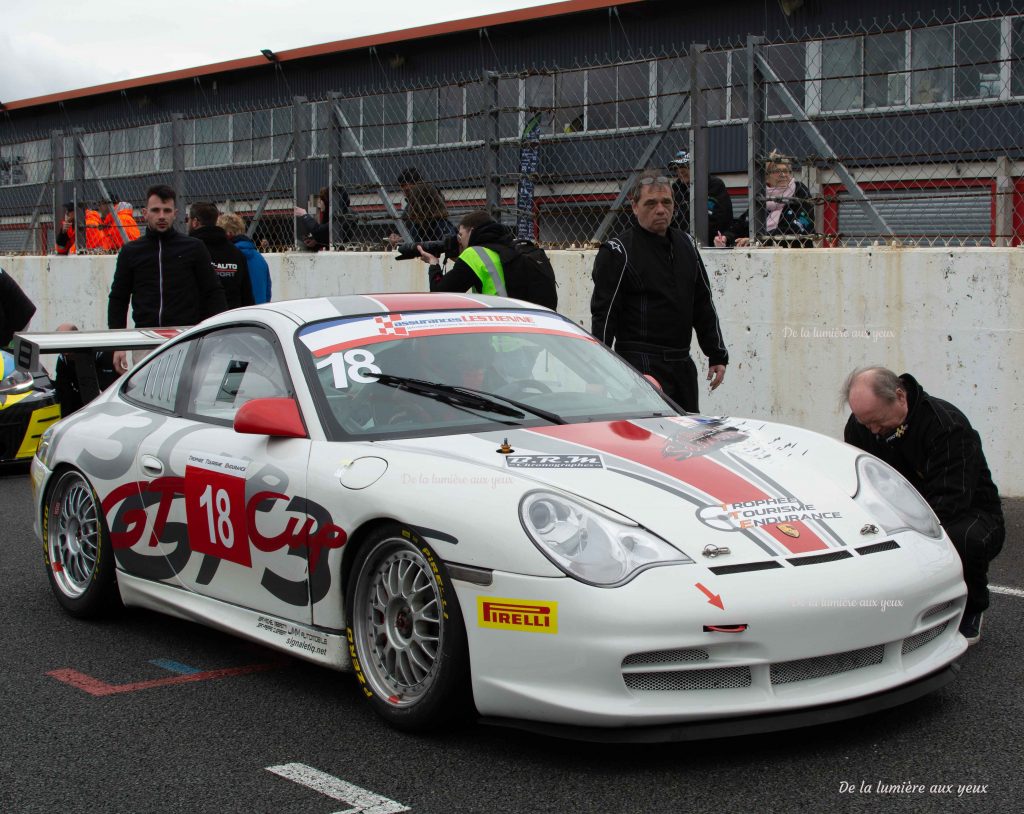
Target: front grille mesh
{"points": [[722, 678], [787, 672], [935, 611], [666, 657], [919, 640]]}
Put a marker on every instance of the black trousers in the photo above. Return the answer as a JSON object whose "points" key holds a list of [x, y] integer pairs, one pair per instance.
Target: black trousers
{"points": [[977, 538], [672, 367]]}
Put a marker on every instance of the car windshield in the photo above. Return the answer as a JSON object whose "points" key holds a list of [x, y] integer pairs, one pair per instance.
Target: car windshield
{"points": [[534, 359]]}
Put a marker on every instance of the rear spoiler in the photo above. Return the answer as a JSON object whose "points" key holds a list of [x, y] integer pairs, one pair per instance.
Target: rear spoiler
{"points": [[28, 346]]}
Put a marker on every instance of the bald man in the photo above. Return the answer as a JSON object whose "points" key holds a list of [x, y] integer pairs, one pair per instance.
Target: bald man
{"points": [[933, 445]]}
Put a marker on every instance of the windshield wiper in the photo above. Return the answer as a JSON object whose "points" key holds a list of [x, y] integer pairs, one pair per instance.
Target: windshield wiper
{"points": [[461, 397]]}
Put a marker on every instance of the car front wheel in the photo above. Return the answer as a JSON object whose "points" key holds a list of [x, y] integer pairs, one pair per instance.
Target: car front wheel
{"points": [[79, 559], [406, 634]]}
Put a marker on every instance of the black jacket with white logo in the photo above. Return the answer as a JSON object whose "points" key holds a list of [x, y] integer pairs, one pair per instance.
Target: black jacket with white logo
{"points": [[229, 263]]}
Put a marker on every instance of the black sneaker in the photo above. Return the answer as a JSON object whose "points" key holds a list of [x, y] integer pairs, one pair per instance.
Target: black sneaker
{"points": [[970, 627]]}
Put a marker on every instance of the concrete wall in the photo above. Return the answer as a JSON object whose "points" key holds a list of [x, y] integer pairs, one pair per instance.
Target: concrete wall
{"points": [[795, 323]]}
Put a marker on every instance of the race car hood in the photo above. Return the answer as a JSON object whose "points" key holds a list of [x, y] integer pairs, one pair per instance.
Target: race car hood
{"points": [[754, 487]]}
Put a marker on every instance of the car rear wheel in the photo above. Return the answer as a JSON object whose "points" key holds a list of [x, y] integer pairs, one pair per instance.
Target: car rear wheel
{"points": [[407, 638], [79, 560]]}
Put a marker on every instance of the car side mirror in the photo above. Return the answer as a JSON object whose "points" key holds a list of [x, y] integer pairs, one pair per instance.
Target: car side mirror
{"points": [[276, 417]]}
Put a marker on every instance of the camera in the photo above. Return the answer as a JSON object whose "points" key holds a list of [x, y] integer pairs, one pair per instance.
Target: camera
{"points": [[449, 247]]}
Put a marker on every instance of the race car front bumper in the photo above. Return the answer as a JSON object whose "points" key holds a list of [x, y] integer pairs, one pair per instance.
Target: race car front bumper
{"points": [[657, 652]]}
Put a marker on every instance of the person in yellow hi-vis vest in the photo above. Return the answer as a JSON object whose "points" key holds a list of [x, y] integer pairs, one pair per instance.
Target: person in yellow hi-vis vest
{"points": [[479, 266]]}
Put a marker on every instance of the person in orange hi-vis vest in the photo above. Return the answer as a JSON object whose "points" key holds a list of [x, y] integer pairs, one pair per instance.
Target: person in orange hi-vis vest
{"points": [[110, 209]]}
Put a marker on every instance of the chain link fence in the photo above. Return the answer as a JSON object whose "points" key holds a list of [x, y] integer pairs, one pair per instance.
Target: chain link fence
{"points": [[898, 132]]}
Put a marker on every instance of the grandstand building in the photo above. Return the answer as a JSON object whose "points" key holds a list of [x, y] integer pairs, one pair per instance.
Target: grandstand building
{"points": [[904, 128]]}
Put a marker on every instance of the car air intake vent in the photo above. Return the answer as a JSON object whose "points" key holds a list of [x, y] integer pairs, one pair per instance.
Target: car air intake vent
{"points": [[666, 657], [919, 640], [787, 672], [722, 678], [874, 548], [747, 566], [937, 609], [818, 558]]}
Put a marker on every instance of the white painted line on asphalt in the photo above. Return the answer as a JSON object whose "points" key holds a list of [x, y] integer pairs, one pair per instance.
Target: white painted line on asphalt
{"points": [[1002, 589], [365, 802]]}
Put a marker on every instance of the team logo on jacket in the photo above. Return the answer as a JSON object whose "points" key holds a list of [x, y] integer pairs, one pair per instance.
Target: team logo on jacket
{"points": [[517, 614]]}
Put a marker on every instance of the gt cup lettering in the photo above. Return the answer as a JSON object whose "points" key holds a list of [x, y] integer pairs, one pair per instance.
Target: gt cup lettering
{"points": [[227, 517]]}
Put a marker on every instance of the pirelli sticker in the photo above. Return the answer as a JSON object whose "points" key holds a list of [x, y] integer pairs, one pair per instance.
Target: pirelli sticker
{"points": [[517, 614]]}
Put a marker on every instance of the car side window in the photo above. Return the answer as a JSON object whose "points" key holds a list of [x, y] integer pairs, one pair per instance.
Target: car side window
{"points": [[233, 367], [155, 384]]}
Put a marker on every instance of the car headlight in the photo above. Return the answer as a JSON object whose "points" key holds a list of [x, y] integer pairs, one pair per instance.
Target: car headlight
{"points": [[589, 546], [43, 447], [891, 501], [18, 382]]}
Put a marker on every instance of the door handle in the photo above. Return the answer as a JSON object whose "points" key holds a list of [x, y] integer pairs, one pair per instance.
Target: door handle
{"points": [[151, 465]]}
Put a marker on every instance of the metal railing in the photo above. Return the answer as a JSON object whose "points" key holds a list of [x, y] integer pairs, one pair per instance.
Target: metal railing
{"points": [[904, 132]]}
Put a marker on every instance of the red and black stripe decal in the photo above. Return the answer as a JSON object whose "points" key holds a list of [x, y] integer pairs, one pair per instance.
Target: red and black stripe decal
{"points": [[633, 442]]}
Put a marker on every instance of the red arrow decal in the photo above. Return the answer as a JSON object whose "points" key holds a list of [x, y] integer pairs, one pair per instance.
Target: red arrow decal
{"points": [[713, 599]]}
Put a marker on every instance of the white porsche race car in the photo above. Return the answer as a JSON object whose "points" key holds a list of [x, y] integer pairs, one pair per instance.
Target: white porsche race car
{"points": [[471, 503]]}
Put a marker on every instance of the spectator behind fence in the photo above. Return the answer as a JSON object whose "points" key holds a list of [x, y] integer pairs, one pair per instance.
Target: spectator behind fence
{"points": [[259, 271], [16, 309], [719, 202], [425, 212], [789, 210], [109, 209], [166, 276], [316, 232], [933, 445], [651, 293], [64, 242], [95, 240], [228, 260]]}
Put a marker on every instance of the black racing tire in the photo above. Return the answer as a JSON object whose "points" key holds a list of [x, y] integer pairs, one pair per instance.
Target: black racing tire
{"points": [[76, 547], [406, 634]]}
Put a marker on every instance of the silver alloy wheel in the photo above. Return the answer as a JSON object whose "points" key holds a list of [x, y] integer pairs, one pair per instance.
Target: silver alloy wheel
{"points": [[73, 534], [397, 622]]}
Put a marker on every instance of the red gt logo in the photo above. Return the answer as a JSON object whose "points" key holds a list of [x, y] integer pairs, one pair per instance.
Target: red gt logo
{"points": [[220, 524]]}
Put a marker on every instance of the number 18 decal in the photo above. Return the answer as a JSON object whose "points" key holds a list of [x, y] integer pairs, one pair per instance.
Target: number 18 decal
{"points": [[215, 507]]}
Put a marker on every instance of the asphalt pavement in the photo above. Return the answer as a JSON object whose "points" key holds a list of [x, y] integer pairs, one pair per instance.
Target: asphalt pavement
{"points": [[174, 717]]}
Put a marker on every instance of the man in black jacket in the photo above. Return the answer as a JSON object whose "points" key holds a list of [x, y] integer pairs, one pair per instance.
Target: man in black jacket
{"points": [[228, 260], [16, 309], [166, 276], [933, 445], [719, 202], [651, 292]]}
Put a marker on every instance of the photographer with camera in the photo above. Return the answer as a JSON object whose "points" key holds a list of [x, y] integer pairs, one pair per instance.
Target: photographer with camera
{"points": [[489, 261]]}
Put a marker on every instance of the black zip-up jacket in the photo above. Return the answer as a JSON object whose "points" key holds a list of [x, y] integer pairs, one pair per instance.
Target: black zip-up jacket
{"points": [[655, 290], [229, 263], [16, 309], [939, 452], [719, 207], [169, 280]]}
